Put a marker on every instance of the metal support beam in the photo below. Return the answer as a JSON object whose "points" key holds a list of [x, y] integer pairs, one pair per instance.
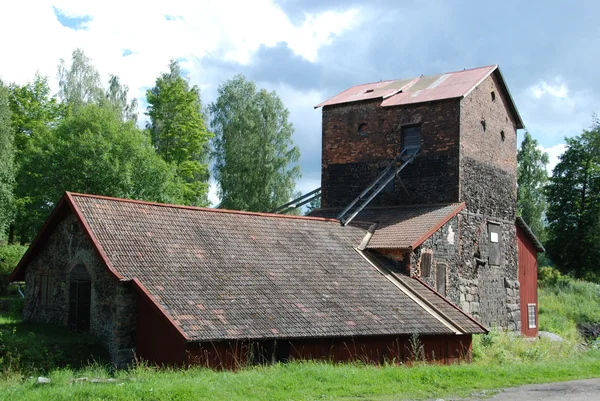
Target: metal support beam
{"points": [[298, 202]]}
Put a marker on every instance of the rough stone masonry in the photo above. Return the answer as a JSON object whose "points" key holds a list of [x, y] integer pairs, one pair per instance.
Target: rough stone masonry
{"points": [[468, 154]]}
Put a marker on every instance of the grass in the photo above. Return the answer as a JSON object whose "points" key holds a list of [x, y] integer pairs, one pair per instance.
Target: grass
{"points": [[500, 360], [565, 303], [300, 381]]}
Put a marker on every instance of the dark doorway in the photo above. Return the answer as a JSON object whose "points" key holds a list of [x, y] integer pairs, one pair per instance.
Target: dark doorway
{"points": [[80, 291]]}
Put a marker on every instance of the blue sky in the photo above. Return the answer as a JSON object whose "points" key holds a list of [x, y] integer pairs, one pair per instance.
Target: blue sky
{"points": [[310, 50]]}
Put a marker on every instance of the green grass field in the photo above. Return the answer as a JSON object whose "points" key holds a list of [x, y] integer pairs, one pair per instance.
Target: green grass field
{"points": [[500, 360]]}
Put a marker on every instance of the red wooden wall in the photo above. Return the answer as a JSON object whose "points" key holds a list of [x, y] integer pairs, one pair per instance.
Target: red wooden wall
{"points": [[528, 281], [157, 341], [372, 350]]}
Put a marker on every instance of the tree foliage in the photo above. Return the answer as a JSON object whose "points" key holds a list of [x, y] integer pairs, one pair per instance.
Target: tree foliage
{"points": [[532, 177], [116, 95], [179, 133], [574, 206], [255, 160], [94, 151], [7, 152], [79, 83], [34, 113]]}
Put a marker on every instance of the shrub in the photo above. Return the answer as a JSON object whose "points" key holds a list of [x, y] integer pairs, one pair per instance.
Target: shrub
{"points": [[10, 255]]}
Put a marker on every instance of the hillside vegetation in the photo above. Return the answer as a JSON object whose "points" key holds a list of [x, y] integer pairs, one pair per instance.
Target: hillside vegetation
{"points": [[500, 360]]}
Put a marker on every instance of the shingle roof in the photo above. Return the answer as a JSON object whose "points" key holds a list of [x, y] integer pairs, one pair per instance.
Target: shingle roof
{"points": [[400, 227], [220, 275], [421, 89]]}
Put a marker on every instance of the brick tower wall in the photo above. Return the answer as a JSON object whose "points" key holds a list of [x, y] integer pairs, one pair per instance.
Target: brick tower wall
{"points": [[351, 161]]}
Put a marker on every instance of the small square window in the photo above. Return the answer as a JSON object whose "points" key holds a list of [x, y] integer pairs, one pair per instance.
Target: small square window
{"points": [[531, 316]]}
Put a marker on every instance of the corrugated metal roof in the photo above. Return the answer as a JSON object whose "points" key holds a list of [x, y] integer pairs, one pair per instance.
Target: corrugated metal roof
{"points": [[375, 90], [415, 90], [423, 89]]}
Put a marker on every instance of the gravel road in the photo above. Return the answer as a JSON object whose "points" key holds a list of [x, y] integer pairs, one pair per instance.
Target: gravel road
{"points": [[577, 390]]}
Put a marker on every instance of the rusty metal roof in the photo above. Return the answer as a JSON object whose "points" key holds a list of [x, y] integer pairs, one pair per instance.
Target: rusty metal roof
{"points": [[423, 89], [400, 227]]}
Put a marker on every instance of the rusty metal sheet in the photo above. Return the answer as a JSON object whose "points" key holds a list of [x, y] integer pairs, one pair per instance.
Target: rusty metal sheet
{"points": [[415, 90], [375, 90], [439, 87]]}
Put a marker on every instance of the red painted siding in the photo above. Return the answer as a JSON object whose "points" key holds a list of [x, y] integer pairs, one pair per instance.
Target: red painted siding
{"points": [[157, 341], [527, 281], [374, 350]]}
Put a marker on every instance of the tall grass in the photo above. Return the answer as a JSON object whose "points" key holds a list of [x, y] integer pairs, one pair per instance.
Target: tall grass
{"points": [[565, 303]]}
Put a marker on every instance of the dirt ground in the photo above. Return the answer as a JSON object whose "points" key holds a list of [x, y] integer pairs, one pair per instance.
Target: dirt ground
{"points": [[577, 390]]}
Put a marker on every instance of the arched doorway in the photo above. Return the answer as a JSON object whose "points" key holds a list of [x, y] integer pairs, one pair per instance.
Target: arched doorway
{"points": [[80, 291]]}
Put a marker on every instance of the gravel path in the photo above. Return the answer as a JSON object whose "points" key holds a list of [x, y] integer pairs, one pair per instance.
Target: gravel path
{"points": [[577, 390]]}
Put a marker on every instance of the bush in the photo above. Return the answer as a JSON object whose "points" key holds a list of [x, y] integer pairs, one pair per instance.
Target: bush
{"points": [[10, 255], [566, 303], [502, 347]]}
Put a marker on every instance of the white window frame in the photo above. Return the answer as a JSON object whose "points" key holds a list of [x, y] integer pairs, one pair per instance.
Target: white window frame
{"points": [[532, 313]]}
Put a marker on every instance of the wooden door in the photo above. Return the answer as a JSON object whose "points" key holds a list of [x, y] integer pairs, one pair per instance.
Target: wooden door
{"points": [[80, 292]]}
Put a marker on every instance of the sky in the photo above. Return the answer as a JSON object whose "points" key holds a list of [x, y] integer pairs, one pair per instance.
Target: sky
{"points": [[308, 51]]}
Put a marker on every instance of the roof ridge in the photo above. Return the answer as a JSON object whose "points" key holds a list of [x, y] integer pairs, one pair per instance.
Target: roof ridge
{"points": [[204, 209], [425, 76]]}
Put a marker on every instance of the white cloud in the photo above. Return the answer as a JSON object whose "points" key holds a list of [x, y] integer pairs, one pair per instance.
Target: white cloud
{"points": [[554, 153], [558, 89], [229, 30], [551, 110]]}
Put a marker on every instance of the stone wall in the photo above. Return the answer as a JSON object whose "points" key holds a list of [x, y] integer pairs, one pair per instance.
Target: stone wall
{"points": [[113, 303], [444, 245], [352, 160], [488, 186]]}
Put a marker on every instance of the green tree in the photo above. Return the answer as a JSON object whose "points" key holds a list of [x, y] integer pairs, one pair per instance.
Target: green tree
{"points": [[532, 177], [94, 151], [255, 160], [574, 206], [79, 83], [7, 170], [34, 114], [179, 133], [116, 95]]}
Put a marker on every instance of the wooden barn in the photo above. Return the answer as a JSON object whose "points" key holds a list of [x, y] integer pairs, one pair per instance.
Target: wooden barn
{"points": [[178, 285], [416, 238]]}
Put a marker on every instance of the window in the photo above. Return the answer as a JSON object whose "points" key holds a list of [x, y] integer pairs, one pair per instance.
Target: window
{"points": [[493, 96], [362, 129], [483, 126], [426, 259], [531, 318], [502, 136], [47, 290], [411, 139], [495, 246], [440, 277]]}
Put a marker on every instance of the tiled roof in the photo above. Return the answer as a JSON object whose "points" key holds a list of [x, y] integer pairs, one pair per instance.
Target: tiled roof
{"points": [[220, 275], [400, 227], [421, 89]]}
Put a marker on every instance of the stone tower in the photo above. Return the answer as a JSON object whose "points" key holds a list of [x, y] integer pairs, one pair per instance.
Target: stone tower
{"points": [[466, 126]]}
